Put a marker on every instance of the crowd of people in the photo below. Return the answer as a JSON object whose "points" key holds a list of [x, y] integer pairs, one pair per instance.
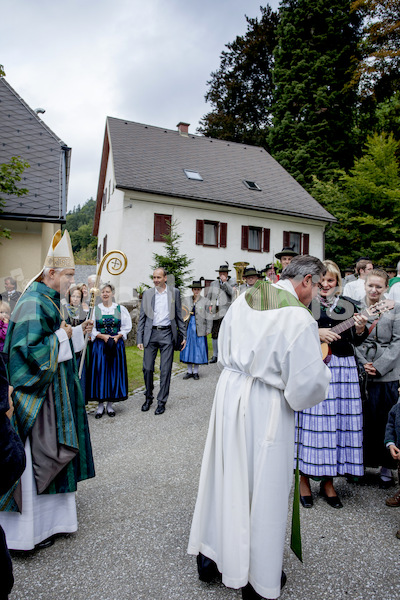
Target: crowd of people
{"points": [[310, 382]]}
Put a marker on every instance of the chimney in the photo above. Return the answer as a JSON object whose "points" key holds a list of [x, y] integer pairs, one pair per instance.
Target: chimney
{"points": [[183, 128]]}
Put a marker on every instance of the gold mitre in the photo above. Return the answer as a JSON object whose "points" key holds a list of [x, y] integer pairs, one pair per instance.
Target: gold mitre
{"points": [[60, 254]]}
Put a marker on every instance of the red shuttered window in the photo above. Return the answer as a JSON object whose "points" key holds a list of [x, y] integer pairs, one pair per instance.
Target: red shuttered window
{"points": [[162, 224]]}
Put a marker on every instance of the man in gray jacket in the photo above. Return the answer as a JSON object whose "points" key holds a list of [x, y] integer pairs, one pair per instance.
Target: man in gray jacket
{"points": [[220, 294], [160, 320]]}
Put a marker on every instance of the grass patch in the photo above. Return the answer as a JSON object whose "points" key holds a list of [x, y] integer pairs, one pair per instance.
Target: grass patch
{"points": [[134, 362]]}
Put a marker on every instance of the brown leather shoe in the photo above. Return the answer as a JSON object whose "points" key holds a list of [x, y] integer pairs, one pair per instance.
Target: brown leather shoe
{"points": [[394, 500]]}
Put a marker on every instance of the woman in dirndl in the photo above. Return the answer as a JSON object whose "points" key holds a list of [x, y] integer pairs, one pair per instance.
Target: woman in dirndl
{"points": [[198, 320], [329, 435], [109, 378]]}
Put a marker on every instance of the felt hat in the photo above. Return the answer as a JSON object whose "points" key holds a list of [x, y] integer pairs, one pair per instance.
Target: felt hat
{"points": [[198, 284], [286, 251], [250, 271], [224, 268]]}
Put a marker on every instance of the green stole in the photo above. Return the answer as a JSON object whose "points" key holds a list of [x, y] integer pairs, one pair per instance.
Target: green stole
{"points": [[32, 347], [264, 296]]}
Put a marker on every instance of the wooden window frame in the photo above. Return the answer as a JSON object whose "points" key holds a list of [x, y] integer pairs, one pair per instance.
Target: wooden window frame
{"points": [[160, 227]]}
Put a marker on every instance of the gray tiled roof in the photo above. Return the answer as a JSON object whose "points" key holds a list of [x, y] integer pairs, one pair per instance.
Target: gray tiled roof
{"points": [[152, 159], [23, 133]]}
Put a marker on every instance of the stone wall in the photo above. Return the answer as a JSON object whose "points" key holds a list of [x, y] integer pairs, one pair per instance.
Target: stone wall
{"points": [[133, 307]]}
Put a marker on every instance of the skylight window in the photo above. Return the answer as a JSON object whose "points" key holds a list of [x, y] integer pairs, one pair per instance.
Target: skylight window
{"points": [[193, 175], [251, 185]]}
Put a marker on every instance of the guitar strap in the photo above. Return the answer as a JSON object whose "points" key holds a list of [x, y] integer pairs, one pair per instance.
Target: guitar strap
{"points": [[374, 324]]}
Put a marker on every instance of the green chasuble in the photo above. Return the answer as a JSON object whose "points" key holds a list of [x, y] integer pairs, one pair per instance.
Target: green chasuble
{"points": [[38, 378]]}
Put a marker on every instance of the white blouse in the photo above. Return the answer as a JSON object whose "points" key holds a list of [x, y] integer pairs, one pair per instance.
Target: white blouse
{"points": [[126, 321]]}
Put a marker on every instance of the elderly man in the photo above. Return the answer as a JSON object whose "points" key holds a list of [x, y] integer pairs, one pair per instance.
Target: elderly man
{"points": [[160, 320], [49, 407], [250, 276], [220, 294], [272, 366], [356, 289]]}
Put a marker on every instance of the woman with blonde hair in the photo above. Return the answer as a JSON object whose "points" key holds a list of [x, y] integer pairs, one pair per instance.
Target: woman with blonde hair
{"points": [[329, 435]]}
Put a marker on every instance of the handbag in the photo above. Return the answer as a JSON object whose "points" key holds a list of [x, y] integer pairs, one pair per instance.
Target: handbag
{"points": [[179, 340]]}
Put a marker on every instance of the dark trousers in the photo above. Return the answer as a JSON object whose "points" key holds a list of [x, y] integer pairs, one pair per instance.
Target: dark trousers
{"points": [[381, 397], [6, 572], [161, 339]]}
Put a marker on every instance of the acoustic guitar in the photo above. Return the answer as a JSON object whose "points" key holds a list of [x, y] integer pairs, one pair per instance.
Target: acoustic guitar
{"points": [[373, 311]]}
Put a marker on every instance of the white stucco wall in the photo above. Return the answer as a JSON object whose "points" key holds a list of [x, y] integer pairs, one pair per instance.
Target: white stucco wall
{"points": [[129, 224]]}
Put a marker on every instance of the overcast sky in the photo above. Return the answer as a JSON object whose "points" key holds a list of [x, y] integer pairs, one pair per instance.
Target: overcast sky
{"points": [[141, 60]]}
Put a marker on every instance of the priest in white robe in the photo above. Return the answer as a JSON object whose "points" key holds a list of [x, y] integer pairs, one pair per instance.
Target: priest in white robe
{"points": [[272, 366]]}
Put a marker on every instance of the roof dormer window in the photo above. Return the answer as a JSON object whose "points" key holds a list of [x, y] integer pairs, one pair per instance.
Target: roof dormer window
{"points": [[193, 175], [251, 185]]}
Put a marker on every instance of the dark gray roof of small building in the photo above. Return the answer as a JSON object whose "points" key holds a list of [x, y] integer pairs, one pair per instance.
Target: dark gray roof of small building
{"points": [[23, 133], [153, 159]]}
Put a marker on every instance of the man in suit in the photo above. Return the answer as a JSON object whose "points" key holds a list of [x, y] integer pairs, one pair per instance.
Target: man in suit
{"points": [[10, 294], [159, 322]]}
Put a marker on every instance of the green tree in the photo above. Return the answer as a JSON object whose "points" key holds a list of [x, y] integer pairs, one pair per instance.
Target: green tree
{"points": [[10, 175], [377, 71], [313, 110], [366, 201], [172, 261], [79, 223], [241, 90]]}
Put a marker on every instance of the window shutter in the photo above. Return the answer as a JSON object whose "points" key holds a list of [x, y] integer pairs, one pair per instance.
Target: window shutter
{"points": [[157, 227], [245, 237], [223, 228], [286, 239], [267, 234], [306, 243], [98, 253], [105, 199], [104, 245], [199, 232]]}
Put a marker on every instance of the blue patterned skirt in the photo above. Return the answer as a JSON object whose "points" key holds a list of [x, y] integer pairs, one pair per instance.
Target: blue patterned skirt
{"points": [[108, 375], [330, 434], [196, 349]]}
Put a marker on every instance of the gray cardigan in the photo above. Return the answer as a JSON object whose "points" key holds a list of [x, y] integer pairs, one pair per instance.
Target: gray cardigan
{"points": [[203, 316], [382, 346]]}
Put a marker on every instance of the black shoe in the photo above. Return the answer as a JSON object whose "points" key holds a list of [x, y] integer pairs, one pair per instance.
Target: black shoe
{"points": [[111, 412], [213, 360], [306, 501], [187, 376], [385, 485], [160, 409], [147, 404], [196, 376], [249, 593], [99, 414], [45, 544], [333, 501], [207, 569]]}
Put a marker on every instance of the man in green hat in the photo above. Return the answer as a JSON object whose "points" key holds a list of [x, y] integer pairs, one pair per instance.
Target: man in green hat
{"points": [[220, 294]]}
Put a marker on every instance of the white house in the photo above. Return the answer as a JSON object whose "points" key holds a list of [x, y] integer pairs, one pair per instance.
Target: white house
{"points": [[233, 202]]}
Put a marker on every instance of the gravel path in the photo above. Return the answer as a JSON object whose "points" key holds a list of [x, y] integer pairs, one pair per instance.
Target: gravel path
{"points": [[134, 520]]}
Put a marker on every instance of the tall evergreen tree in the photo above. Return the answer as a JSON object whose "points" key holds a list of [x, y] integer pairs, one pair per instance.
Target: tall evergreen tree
{"points": [[366, 201], [176, 264], [313, 109], [241, 90]]}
